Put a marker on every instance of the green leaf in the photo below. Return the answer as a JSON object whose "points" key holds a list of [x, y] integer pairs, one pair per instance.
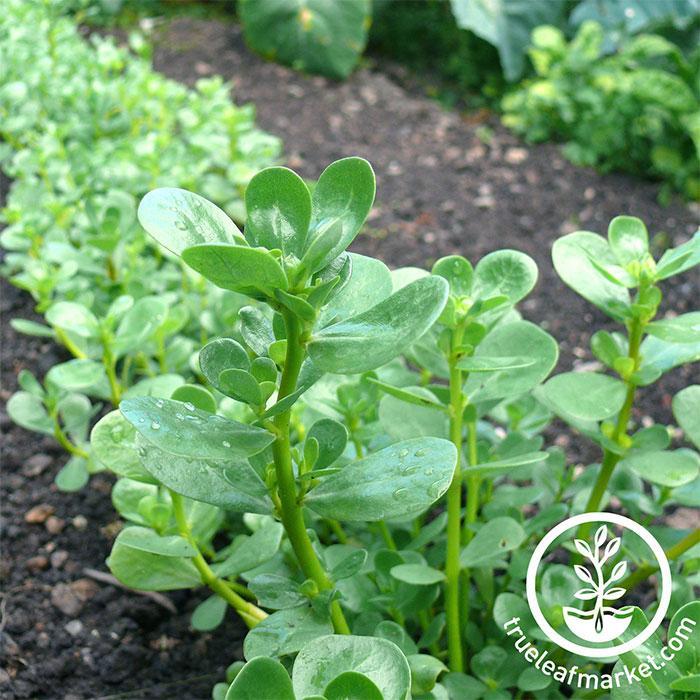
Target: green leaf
{"points": [[331, 437], [197, 395], [506, 273], [403, 420], [495, 538], [39, 330], [425, 670], [418, 396], [146, 571], [221, 354], [679, 259], [276, 592], [209, 614], [573, 257], [680, 627], [181, 429], [250, 271], [679, 329], [457, 271], [400, 481], [240, 385], [161, 386], [310, 35], [369, 283], [495, 364], [686, 409], [584, 395], [113, 444], [417, 574], [73, 317], [687, 684], [261, 677], [531, 342], [232, 485], [664, 468], [629, 239], [285, 632], [376, 336], [178, 219], [322, 660], [500, 465], [28, 411], [350, 565], [350, 685], [659, 356], [252, 551], [73, 476], [343, 194], [149, 541], [459, 686], [278, 205], [77, 375], [139, 323]]}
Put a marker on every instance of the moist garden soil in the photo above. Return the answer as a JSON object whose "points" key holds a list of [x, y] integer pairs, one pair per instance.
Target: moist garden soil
{"points": [[447, 183]]}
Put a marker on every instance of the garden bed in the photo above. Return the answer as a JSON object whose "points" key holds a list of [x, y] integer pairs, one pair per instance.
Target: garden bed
{"points": [[446, 184]]}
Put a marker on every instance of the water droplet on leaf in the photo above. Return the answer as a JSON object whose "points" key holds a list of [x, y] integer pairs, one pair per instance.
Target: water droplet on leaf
{"points": [[189, 406], [155, 425]]}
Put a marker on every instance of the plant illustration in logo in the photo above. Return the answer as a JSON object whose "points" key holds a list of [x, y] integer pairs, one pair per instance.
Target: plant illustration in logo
{"points": [[603, 623]]}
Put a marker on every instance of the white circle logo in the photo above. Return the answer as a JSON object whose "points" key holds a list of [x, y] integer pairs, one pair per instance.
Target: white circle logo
{"points": [[600, 573]]}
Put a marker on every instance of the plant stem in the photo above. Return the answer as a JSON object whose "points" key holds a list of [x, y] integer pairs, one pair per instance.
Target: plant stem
{"points": [[473, 484], [643, 572], [251, 614], [64, 441], [385, 532], [454, 516], [610, 459], [291, 512]]}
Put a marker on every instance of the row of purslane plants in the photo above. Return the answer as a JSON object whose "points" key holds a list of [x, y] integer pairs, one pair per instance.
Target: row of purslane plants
{"points": [[337, 407]]}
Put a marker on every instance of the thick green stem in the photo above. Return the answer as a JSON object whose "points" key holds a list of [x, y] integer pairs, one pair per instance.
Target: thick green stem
{"points": [[473, 484], [291, 512], [643, 572], [64, 441], [454, 518], [610, 459], [250, 614]]}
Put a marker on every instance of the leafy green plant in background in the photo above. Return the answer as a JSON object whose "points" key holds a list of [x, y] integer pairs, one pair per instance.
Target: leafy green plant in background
{"points": [[87, 127], [637, 110], [314, 36]]}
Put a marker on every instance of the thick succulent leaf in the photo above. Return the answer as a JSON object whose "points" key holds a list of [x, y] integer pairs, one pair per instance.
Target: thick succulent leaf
{"points": [[537, 356], [252, 551], [276, 592], [403, 420], [679, 259], [28, 411], [250, 271], [351, 685], [113, 444], [197, 395], [686, 409], [178, 219], [181, 429], [457, 271], [261, 677], [219, 355], [322, 660], [502, 466], [660, 356], [147, 540], [507, 273], [344, 193], [232, 485], [285, 632], [146, 571], [369, 283], [86, 376], [374, 337], [400, 481], [209, 614], [495, 538], [679, 329], [417, 574], [665, 468], [73, 317], [629, 239], [332, 437], [278, 205], [584, 395], [573, 257]]}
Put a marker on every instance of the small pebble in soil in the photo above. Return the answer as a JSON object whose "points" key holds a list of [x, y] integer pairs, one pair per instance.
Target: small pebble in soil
{"points": [[36, 464], [38, 514], [74, 627], [70, 598], [59, 558], [80, 522], [54, 525], [36, 564]]}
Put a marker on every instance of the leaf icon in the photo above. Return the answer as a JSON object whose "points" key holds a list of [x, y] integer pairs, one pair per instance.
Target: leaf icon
{"points": [[585, 594], [583, 573], [618, 572], [584, 549], [614, 594], [611, 548], [601, 535]]}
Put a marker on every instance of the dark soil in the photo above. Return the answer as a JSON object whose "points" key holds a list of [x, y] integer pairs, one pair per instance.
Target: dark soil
{"points": [[441, 190]]}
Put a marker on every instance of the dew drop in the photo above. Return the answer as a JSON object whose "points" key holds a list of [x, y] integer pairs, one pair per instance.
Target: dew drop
{"points": [[400, 493], [181, 225], [189, 406], [142, 420], [116, 433], [435, 489], [155, 425], [160, 403], [421, 452], [179, 416], [141, 451], [429, 472], [403, 453], [226, 443]]}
